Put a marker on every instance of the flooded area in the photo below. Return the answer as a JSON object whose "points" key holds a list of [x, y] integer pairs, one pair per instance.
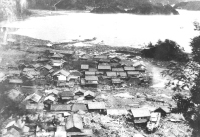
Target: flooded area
{"points": [[110, 29]]}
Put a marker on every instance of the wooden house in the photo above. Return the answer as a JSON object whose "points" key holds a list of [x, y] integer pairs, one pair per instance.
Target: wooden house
{"points": [[84, 67], [14, 73], [122, 75], [35, 107], [57, 56], [111, 74], [66, 96], [79, 92], [74, 123], [129, 68], [163, 110], [98, 57], [57, 63], [97, 107], [133, 73], [79, 106], [140, 115], [115, 60], [116, 81], [60, 76], [118, 69], [89, 95], [104, 67], [89, 73], [91, 81], [16, 81]]}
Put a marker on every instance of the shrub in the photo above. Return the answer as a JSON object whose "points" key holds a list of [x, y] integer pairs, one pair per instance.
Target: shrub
{"points": [[165, 51]]}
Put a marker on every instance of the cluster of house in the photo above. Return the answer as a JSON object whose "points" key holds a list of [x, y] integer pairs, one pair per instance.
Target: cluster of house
{"points": [[58, 96], [50, 68], [60, 113]]}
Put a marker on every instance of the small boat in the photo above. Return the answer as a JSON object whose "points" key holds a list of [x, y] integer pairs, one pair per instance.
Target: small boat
{"points": [[154, 122]]}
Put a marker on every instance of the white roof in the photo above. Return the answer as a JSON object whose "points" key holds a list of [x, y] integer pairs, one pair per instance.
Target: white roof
{"points": [[96, 105], [62, 77], [52, 98], [138, 112], [117, 112]]}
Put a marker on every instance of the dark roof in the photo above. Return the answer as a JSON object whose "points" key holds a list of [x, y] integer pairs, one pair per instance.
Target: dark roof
{"points": [[104, 67], [56, 107], [91, 78], [79, 106], [74, 121], [111, 74], [118, 69]]}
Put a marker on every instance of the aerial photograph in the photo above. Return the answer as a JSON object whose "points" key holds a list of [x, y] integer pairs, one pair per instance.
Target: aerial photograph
{"points": [[99, 68]]}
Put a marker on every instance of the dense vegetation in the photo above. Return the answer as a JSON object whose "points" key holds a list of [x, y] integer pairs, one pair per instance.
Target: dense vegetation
{"points": [[165, 50], [192, 5], [105, 6], [188, 75], [11, 9]]}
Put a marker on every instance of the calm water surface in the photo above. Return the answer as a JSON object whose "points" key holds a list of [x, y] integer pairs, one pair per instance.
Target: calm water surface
{"points": [[112, 29]]}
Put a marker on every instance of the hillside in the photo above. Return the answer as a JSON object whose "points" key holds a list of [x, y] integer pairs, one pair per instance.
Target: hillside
{"points": [[117, 6], [192, 5]]}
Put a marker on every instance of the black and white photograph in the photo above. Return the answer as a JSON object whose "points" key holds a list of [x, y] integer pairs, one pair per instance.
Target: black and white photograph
{"points": [[99, 68]]}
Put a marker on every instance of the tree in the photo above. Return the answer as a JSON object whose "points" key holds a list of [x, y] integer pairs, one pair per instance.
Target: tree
{"points": [[165, 50], [188, 74]]}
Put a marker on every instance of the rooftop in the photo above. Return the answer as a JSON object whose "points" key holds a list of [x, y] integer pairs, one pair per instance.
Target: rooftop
{"points": [[91, 78], [111, 74], [104, 67], [74, 121], [16, 81], [118, 69], [129, 68], [96, 105], [84, 66], [79, 106], [61, 107], [138, 112]]}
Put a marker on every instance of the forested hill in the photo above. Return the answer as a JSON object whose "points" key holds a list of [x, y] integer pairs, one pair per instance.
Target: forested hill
{"points": [[191, 5], [105, 6]]}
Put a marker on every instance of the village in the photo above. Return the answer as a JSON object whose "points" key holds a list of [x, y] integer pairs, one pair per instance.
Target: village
{"points": [[67, 93]]}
